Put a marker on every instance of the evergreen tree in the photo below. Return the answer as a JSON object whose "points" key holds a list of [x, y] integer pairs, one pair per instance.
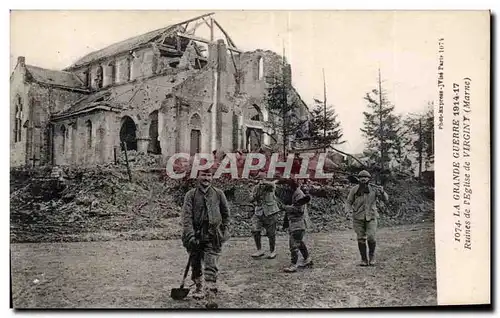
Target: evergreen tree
{"points": [[283, 106], [420, 128], [319, 124], [382, 129]]}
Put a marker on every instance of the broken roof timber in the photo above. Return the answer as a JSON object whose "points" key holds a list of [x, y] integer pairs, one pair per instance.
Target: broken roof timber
{"points": [[57, 117], [196, 38], [131, 43], [195, 18], [228, 38]]}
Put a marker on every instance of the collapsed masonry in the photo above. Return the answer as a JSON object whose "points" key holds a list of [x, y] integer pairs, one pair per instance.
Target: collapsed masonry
{"points": [[162, 92]]}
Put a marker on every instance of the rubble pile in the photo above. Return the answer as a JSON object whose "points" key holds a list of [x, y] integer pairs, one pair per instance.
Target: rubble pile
{"points": [[103, 200], [91, 200], [139, 160]]}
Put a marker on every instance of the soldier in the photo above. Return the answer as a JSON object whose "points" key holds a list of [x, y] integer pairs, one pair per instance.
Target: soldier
{"points": [[205, 229], [265, 216], [296, 220], [362, 203]]}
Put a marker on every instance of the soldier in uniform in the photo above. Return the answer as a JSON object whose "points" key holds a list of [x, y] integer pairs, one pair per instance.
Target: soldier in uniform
{"points": [[296, 220], [265, 216], [362, 203], [205, 229]]}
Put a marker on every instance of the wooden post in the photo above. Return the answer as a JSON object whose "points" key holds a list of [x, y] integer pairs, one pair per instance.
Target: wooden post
{"points": [[324, 112], [126, 161], [420, 148], [211, 29], [285, 103], [381, 138]]}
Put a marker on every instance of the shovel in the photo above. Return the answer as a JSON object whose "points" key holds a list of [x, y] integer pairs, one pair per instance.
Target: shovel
{"points": [[181, 292]]}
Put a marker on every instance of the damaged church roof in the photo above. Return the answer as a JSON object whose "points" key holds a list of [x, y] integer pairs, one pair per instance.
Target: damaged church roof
{"points": [[97, 101], [130, 43], [120, 47], [53, 77]]}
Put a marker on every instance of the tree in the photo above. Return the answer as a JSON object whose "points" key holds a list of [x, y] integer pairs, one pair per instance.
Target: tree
{"points": [[420, 128], [283, 105], [319, 124], [381, 128], [428, 135]]}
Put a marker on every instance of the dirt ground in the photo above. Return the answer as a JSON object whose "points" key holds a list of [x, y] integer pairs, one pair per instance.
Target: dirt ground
{"points": [[140, 274]]}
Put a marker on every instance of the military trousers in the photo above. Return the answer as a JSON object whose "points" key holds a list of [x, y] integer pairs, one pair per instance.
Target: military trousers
{"points": [[365, 230], [269, 223]]}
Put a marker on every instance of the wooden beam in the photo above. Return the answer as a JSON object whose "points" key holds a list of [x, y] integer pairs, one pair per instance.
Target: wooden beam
{"points": [[169, 49], [196, 18], [230, 42], [211, 29], [193, 29], [166, 47], [198, 52], [195, 38], [178, 42], [208, 24]]}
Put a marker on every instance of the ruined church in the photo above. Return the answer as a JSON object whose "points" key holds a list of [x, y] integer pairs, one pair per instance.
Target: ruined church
{"points": [[162, 92]]}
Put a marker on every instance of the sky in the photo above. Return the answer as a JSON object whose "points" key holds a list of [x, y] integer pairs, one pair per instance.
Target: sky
{"points": [[349, 46]]}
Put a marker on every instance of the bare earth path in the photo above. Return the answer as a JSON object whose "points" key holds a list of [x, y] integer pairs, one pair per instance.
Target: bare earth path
{"points": [[140, 274]]}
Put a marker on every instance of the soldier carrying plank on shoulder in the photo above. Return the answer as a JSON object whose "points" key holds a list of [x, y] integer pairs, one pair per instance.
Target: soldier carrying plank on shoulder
{"points": [[361, 202]]}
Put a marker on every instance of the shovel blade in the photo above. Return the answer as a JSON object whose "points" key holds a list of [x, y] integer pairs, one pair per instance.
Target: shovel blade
{"points": [[179, 293]]}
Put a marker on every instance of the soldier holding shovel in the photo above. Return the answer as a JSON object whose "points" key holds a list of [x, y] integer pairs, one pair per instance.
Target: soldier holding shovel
{"points": [[362, 203], [205, 229]]}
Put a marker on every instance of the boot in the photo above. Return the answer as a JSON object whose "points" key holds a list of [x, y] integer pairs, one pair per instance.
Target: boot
{"points": [[199, 292], [211, 296], [307, 262], [257, 239], [272, 248], [271, 255], [291, 269], [258, 254], [305, 254], [371, 253], [362, 251]]}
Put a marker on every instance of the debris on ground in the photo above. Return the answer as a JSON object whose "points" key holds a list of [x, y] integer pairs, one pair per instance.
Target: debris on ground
{"points": [[100, 203]]}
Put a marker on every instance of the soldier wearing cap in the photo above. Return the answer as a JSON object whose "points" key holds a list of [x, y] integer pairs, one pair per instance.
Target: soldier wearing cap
{"points": [[362, 203], [205, 229], [297, 220], [265, 215]]}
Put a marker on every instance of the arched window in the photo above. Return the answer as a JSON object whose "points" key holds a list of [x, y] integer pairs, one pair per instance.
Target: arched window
{"points": [[260, 71], [255, 113], [195, 135], [88, 125], [154, 143], [130, 65], [87, 77], [16, 124], [99, 77], [18, 119], [112, 72], [195, 121], [128, 133]]}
